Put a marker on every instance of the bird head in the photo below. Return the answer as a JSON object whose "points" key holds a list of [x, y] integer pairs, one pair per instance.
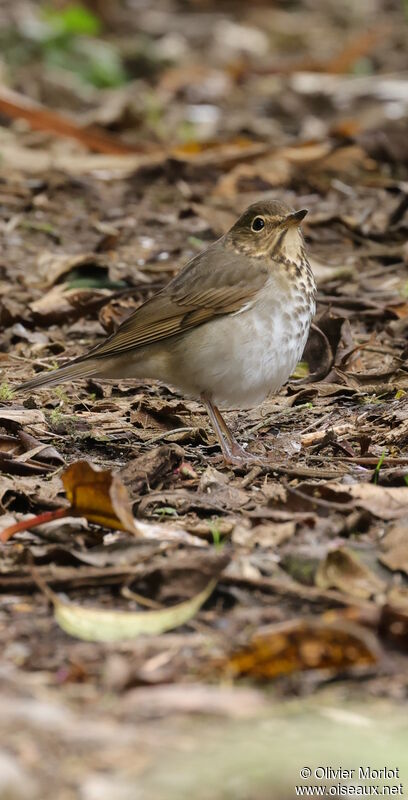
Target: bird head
{"points": [[269, 229]]}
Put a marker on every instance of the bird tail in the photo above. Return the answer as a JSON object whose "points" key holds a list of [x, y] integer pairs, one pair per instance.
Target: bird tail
{"points": [[80, 369]]}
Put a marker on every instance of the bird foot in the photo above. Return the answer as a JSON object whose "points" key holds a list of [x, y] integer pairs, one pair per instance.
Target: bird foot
{"points": [[235, 455]]}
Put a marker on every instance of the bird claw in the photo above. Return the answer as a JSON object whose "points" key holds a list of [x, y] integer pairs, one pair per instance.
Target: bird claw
{"points": [[235, 455]]}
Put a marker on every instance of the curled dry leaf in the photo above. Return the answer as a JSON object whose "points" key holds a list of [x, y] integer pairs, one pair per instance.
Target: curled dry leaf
{"points": [[323, 345], [22, 454], [63, 304], [51, 267], [341, 570], [265, 173], [318, 355], [102, 625], [21, 416], [305, 644], [383, 502], [151, 467], [98, 495]]}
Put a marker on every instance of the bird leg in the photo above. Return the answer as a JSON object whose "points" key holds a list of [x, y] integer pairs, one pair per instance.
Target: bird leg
{"points": [[233, 452]]}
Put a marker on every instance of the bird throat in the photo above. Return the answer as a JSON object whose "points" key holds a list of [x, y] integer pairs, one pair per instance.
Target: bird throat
{"points": [[288, 247], [290, 254]]}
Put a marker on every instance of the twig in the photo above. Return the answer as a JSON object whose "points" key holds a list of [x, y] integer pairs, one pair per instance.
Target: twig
{"points": [[370, 461], [165, 434], [304, 472], [317, 436], [318, 501], [290, 588], [251, 476]]}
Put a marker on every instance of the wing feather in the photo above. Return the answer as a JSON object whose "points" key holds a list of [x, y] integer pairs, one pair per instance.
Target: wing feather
{"points": [[195, 296]]}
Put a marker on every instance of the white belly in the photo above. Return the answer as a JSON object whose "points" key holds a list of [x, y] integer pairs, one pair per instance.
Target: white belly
{"points": [[242, 358], [238, 359]]}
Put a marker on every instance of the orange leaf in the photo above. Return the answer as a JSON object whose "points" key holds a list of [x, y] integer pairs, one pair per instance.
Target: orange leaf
{"points": [[301, 645]]}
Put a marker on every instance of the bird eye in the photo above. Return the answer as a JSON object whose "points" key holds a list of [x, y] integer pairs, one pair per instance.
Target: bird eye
{"points": [[257, 224]]}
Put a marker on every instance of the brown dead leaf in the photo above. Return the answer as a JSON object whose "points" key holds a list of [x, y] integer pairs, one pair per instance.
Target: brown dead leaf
{"points": [[268, 535], [264, 174], [399, 309], [387, 142], [151, 467], [341, 570], [215, 485], [179, 573], [112, 314], [28, 491], [52, 266], [271, 169], [305, 644], [383, 502], [22, 454], [21, 416], [394, 548], [61, 304], [318, 355]]}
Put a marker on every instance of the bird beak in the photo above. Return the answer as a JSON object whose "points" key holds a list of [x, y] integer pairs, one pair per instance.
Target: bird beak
{"points": [[294, 219]]}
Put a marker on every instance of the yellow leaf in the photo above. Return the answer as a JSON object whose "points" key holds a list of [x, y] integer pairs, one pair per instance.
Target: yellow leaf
{"points": [[99, 495], [102, 625]]}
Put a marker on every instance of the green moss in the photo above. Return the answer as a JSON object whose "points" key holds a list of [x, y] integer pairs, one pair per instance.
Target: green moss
{"points": [[6, 392]]}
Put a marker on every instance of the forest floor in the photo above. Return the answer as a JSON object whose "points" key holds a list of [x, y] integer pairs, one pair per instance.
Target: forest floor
{"points": [[304, 639]]}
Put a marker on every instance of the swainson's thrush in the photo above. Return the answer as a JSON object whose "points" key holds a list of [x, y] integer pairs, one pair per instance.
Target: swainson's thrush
{"points": [[229, 328]]}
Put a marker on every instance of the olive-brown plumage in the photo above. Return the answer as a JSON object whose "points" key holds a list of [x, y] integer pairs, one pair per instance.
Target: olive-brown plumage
{"points": [[229, 328]]}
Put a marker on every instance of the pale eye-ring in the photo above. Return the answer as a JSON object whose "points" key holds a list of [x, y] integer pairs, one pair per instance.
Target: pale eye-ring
{"points": [[257, 224]]}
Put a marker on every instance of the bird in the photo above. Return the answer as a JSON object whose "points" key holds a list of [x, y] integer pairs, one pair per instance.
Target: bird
{"points": [[228, 329]]}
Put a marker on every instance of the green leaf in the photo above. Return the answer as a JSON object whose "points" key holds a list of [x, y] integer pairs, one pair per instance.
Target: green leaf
{"points": [[103, 66], [302, 370], [74, 19], [378, 467]]}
